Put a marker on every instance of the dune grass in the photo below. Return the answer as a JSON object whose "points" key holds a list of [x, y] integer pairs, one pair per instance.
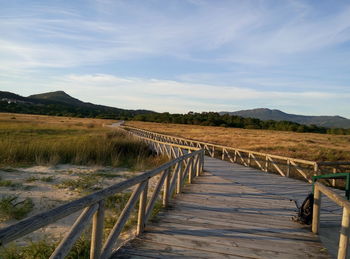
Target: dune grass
{"points": [[27, 140], [11, 208], [43, 249], [41, 141], [309, 146]]}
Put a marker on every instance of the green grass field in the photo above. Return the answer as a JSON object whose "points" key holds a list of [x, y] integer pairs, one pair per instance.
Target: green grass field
{"points": [[39, 140]]}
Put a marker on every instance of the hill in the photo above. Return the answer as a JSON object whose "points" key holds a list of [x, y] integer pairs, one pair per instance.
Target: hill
{"points": [[58, 96], [60, 103], [277, 115]]}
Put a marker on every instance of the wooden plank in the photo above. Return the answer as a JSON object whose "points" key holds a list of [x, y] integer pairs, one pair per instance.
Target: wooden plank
{"points": [[79, 225], [118, 227], [141, 217], [35, 222], [97, 231], [150, 249], [276, 167], [234, 244]]}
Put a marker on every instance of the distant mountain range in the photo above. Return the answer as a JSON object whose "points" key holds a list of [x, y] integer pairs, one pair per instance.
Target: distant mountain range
{"points": [[277, 115], [61, 104]]}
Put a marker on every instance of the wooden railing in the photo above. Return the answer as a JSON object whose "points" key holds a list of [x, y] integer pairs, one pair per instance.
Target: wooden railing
{"points": [[172, 175], [345, 224], [285, 166]]}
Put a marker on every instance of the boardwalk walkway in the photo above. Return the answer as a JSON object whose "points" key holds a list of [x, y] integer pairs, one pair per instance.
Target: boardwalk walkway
{"points": [[231, 212]]}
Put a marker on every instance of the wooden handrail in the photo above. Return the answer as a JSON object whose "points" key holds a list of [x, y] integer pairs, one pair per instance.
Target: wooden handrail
{"points": [[227, 147], [345, 224], [93, 204], [263, 161]]}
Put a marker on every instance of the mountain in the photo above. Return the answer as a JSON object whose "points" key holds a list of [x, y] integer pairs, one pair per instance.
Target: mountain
{"points": [[277, 115], [61, 104], [58, 96]]}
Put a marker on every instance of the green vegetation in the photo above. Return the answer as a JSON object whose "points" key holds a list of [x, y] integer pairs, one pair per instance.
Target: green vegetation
{"points": [[60, 104], [9, 183], [47, 179], [43, 249], [83, 183], [25, 143], [11, 208], [232, 121], [31, 179]]}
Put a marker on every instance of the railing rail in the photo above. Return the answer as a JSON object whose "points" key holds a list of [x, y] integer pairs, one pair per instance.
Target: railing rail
{"points": [[345, 204], [285, 166], [185, 163]]}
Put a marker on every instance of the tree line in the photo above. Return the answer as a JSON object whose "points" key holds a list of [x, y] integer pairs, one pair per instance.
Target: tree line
{"points": [[232, 121], [192, 118]]}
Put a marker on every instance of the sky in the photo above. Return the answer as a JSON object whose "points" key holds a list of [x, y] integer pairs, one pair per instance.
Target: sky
{"points": [[181, 55]]}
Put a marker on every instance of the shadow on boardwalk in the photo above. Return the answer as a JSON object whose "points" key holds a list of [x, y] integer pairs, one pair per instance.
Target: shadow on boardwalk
{"points": [[231, 212]]}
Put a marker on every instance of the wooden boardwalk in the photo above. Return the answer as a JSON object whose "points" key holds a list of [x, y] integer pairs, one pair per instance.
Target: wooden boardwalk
{"points": [[231, 212]]}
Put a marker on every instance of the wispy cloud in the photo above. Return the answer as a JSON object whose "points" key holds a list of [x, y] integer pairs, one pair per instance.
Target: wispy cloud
{"points": [[245, 33], [221, 54], [169, 95]]}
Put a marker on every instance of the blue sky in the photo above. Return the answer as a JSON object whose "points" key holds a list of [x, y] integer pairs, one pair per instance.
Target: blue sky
{"points": [[181, 56]]}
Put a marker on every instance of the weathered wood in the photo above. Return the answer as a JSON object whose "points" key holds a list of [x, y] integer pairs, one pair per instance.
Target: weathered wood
{"points": [[97, 231], [257, 162], [300, 171], [229, 156], [240, 156], [179, 178], [316, 211], [141, 219], [174, 178], [154, 196], [223, 218], [344, 235], [80, 224], [35, 222], [276, 167], [205, 145], [166, 189], [118, 227], [331, 194], [197, 165]]}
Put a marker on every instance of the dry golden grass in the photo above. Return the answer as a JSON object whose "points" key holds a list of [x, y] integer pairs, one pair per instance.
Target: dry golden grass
{"points": [[53, 120], [308, 146], [35, 139]]}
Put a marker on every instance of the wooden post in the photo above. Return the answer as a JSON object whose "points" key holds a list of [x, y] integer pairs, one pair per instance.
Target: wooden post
{"points": [[179, 177], [249, 155], [198, 164], [78, 227], [344, 235], [202, 163], [316, 210], [288, 168], [334, 180], [97, 231], [190, 173], [223, 154], [315, 169], [166, 188], [142, 209], [123, 217], [213, 152], [266, 163], [235, 157]]}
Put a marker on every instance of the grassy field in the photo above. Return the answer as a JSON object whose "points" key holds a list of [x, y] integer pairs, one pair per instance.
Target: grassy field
{"points": [[309, 146], [34, 139], [76, 157]]}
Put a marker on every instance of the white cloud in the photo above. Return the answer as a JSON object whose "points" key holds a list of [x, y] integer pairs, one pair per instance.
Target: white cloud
{"points": [[174, 96], [243, 33]]}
